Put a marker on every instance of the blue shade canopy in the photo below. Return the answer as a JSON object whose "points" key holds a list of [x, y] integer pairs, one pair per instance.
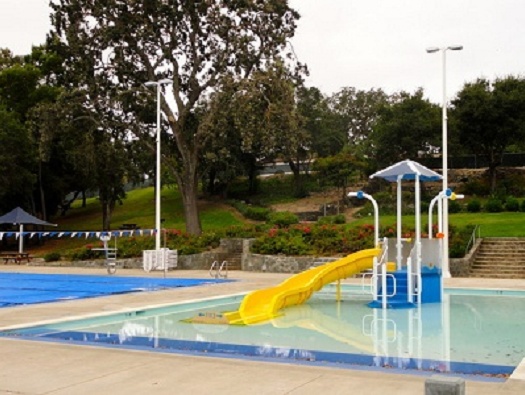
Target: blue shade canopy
{"points": [[18, 216], [407, 170]]}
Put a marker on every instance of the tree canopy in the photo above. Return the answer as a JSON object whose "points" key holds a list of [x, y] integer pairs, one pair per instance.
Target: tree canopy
{"points": [[490, 117], [119, 45]]}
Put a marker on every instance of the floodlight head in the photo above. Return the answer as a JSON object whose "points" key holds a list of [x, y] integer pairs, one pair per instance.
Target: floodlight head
{"points": [[455, 47], [149, 84], [432, 49], [165, 81]]}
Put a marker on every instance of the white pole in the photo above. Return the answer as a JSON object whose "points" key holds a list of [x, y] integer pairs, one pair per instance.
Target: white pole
{"points": [[158, 85], [157, 176], [418, 237], [21, 239], [445, 268], [399, 244]]}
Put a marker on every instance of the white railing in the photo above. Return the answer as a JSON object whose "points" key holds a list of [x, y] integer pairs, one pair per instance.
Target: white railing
{"points": [[413, 276], [472, 242], [380, 263], [216, 270], [161, 259]]}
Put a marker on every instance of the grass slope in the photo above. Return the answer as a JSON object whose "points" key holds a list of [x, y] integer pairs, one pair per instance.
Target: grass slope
{"points": [[139, 208]]}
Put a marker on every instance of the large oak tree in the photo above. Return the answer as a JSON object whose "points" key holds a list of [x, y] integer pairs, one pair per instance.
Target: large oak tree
{"points": [[118, 45]]}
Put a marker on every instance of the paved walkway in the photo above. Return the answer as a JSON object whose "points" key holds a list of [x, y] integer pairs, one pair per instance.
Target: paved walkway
{"points": [[33, 367]]}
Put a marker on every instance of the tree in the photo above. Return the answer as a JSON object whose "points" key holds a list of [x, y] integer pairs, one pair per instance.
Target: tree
{"points": [[119, 45], [358, 111], [337, 170], [490, 117], [16, 162], [265, 113], [406, 129], [253, 121], [21, 91], [7, 59], [326, 135]]}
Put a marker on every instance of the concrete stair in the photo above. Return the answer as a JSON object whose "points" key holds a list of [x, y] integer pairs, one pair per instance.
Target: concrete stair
{"points": [[500, 258], [233, 258]]}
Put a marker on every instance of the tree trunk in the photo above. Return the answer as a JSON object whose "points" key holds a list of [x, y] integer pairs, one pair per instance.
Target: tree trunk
{"points": [[42, 193], [492, 178], [299, 189], [189, 192]]}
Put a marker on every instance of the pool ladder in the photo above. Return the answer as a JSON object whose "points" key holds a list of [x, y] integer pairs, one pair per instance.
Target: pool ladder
{"points": [[216, 270], [111, 260]]}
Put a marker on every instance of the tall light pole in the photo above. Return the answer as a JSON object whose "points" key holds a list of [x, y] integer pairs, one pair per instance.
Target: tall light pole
{"points": [[158, 84], [445, 265]]}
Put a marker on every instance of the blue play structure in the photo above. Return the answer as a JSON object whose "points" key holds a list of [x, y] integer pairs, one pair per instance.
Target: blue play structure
{"points": [[409, 271]]}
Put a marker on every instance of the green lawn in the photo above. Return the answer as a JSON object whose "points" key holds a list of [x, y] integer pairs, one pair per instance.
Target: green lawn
{"points": [[505, 224], [139, 208]]}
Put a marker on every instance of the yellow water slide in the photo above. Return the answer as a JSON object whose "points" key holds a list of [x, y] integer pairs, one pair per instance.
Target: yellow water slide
{"points": [[264, 304]]}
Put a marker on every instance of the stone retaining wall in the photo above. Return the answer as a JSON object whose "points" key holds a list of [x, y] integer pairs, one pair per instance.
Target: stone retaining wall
{"points": [[277, 263], [250, 262]]}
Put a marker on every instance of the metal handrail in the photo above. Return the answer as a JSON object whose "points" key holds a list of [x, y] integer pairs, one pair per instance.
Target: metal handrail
{"points": [[382, 261], [472, 240], [224, 264], [215, 263], [216, 270]]}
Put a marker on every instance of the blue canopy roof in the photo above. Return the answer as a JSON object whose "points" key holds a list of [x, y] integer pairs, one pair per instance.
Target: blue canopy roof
{"points": [[18, 216], [407, 170]]}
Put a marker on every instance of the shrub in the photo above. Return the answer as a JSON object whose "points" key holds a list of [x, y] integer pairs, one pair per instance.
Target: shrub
{"points": [[458, 240], [130, 247], [52, 257], [332, 219], [494, 205], [474, 206], [522, 206], [283, 219], [244, 232], [82, 254], [322, 240], [454, 207], [281, 241], [512, 204], [476, 187], [257, 213]]}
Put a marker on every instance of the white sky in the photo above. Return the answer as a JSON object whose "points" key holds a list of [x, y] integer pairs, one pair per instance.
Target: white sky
{"points": [[366, 43]]}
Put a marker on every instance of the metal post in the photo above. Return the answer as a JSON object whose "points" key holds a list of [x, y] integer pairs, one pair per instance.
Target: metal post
{"points": [[445, 268], [158, 85], [157, 176], [445, 263]]}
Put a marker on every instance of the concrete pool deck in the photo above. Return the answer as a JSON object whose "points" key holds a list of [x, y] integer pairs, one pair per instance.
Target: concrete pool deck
{"points": [[35, 367]]}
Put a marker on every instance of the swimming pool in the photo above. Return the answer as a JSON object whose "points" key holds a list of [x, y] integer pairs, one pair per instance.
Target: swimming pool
{"points": [[471, 334], [29, 288]]}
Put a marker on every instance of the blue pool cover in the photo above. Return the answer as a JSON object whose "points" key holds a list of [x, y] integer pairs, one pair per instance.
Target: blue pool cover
{"points": [[29, 288]]}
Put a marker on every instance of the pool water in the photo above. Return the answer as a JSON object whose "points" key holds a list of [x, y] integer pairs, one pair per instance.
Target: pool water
{"points": [[473, 334]]}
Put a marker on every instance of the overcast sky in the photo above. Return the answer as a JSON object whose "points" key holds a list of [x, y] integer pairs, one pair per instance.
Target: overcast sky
{"points": [[367, 43]]}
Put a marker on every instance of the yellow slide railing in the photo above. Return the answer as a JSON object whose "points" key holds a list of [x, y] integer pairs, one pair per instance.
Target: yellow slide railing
{"points": [[264, 304]]}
